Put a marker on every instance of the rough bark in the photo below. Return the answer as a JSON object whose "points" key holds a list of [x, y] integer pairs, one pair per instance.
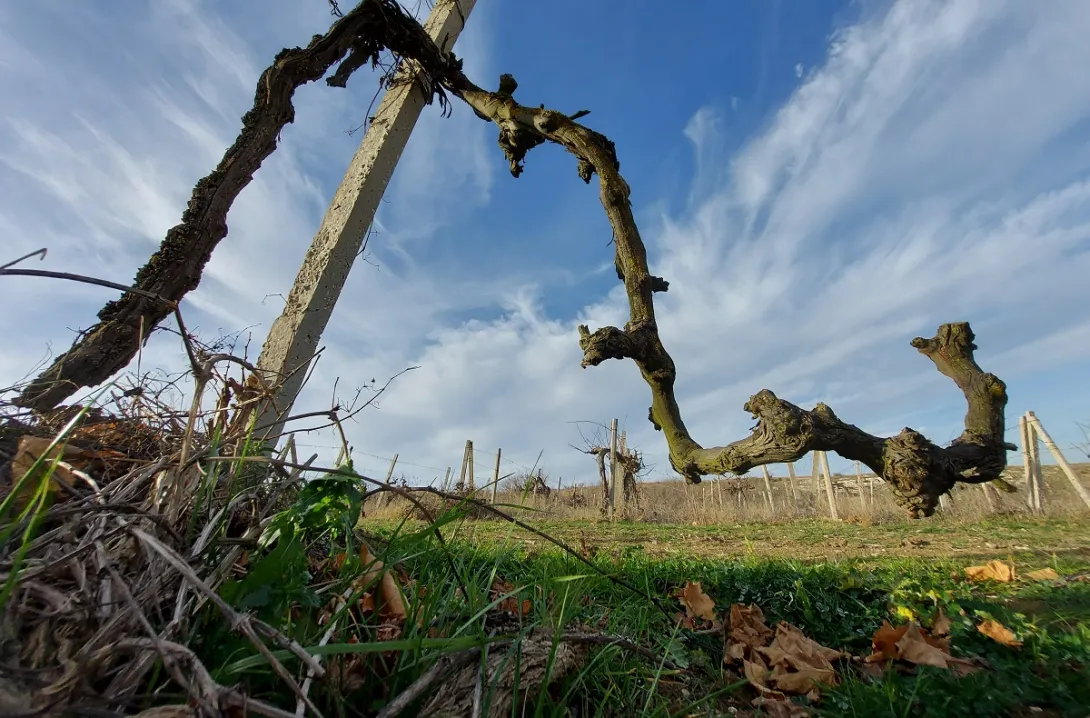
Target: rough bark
{"points": [[631, 463], [175, 269], [916, 470]]}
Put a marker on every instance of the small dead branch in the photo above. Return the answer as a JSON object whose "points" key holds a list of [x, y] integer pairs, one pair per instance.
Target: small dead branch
{"points": [[462, 676], [504, 679]]}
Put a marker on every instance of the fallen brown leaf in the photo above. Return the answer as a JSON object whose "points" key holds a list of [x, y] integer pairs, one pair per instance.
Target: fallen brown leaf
{"points": [[747, 626], [697, 603], [389, 602], [757, 674], [1044, 574], [991, 571], [940, 624], [912, 644], [802, 682], [70, 460], [799, 663], [998, 633], [511, 604], [914, 648], [791, 664], [885, 641]]}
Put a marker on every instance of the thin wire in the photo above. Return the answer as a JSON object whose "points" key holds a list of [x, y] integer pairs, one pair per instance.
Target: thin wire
{"points": [[489, 455]]}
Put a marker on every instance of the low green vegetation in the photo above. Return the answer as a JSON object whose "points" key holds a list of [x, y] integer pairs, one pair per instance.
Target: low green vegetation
{"points": [[490, 586]]}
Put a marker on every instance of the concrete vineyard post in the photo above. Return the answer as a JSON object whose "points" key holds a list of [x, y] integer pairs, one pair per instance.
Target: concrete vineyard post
{"points": [[294, 337]]}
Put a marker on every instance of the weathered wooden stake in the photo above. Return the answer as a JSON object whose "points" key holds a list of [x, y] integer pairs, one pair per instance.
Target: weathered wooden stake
{"points": [[389, 475], [987, 488], [496, 475], [1027, 463], [1060, 459], [791, 478], [829, 487], [472, 487], [768, 489], [613, 463], [461, 485], [1036, 476]]}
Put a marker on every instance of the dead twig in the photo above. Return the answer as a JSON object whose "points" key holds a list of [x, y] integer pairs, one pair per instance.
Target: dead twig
{"points": [[239, 623]]}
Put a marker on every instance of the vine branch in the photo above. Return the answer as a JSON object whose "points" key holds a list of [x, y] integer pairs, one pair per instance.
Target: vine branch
{"points": [[355, 39], [916, 470]]}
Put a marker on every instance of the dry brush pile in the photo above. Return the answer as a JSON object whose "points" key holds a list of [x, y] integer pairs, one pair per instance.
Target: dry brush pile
{"points": [[134, 546]]}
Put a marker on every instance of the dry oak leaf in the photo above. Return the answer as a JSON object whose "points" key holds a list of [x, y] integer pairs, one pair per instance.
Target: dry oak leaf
{"points": [[998, 633], [1044, 574], [991, 571], [697, 603]]}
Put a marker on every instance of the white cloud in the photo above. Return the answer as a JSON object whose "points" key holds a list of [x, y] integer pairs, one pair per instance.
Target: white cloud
{"points": [[933, 169]]}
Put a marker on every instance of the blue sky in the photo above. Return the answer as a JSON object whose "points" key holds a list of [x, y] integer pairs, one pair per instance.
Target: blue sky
{"points": [[819, 181]]}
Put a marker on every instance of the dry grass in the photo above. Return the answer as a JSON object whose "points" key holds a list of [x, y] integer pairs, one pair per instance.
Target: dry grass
{"points": [[744, 500]]}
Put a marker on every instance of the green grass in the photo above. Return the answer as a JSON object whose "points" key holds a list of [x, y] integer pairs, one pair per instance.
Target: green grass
{"points": [[816, 538], [839, 599]]}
